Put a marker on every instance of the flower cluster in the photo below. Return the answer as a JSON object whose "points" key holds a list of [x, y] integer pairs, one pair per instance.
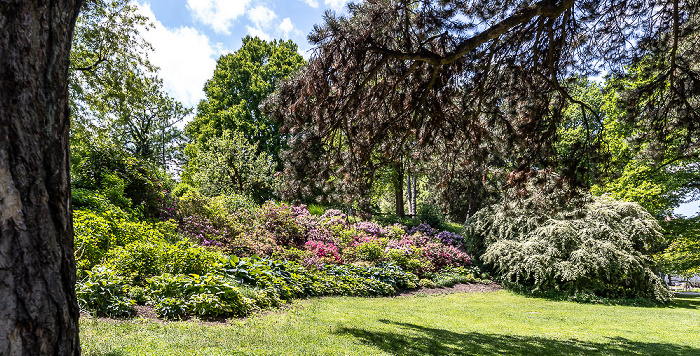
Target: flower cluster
{"points": [[371, 228], [167, 206], [450, 238], [323, 250]]}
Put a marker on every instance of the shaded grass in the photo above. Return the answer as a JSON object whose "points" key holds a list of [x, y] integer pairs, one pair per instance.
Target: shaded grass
{"points": [[501, 323]]}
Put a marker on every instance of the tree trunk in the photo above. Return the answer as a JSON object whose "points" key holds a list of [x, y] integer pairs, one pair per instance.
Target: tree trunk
{"points": [[409, 196], [398, 190], [38, 308], [411, 193], [414, 194]]}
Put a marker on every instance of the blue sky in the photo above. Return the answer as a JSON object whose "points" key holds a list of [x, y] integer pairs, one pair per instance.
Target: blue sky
{"points": [[189, 35]]}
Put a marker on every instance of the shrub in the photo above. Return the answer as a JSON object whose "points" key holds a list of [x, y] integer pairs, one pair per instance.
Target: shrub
{"points": [[96, 233], [327, 252], [120, 176], [207, 295], [170, 308], [426, 283], [454, 275], [104, 293], [139, 260], [603, 248], [366, 248], [431, 215], [92, 236], [84, 199]]}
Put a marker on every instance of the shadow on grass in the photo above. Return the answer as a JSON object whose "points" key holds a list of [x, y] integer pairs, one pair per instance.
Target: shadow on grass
{"points": [[420, 340], [686, 302]]}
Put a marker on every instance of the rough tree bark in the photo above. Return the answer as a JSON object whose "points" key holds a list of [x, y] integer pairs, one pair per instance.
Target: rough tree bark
{"points": [[38, 308]]}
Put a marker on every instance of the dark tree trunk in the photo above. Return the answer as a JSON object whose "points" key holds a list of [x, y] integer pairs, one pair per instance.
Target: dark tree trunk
{"points": [[38, 307], [398, 190]]}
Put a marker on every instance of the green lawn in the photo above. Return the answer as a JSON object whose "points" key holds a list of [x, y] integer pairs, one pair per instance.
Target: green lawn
{"points": [[500, 323]]}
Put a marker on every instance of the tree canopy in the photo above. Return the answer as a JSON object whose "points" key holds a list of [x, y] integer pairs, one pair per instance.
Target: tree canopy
{"points": [[489, 80], [241, 81], [115, 91]]}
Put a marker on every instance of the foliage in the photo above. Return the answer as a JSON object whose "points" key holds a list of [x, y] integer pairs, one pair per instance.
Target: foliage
{"points": [[96, 233], [206, 295], [657, 175], [175, 265], [448, 277], [130, 183], [140, 260], [682, 256], [104, 293], [603, 247], [290, 280], [241, 81], [431, 215], [230, 164], [115, 93], [479, 88]]}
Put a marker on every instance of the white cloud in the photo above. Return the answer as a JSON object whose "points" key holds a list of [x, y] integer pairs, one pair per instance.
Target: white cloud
{"points": [[185, 56], [312, 3], [219, 14], [287, 27], [256, 32], [336, 5], [261, 16]]}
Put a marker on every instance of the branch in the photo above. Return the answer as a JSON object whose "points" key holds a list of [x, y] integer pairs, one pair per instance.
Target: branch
{"points": [[92, 66], [542, 8]]}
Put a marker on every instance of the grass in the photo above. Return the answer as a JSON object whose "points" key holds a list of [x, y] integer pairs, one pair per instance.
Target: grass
{"points": [[501, 323], [453, 227]]}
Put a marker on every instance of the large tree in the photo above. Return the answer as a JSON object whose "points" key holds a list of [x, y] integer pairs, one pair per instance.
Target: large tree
{"points": [[38, 308], [480, 78], [241, 81], [115, 91]]}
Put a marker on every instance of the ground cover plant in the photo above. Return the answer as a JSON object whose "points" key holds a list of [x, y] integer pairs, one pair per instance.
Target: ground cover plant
{"points": [[500, 323]]}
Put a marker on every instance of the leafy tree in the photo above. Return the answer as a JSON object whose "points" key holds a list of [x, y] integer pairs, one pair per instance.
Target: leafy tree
{"points": [[106, 44], [38, 306], [659, 175], [241, 81], [115, 92], [682, 257], [229, 164], [485, 79], [144, 121]]}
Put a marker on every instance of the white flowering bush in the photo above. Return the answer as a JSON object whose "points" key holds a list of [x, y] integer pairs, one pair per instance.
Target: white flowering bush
{"points": [[603, 247]]}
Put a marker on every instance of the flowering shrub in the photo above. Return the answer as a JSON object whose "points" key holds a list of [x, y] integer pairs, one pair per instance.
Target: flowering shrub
{"points": [[441, 255], [167, 206], [280, 221], [424, 229], [325, 251], [199, 229], [371, 228], [450, 238]]}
